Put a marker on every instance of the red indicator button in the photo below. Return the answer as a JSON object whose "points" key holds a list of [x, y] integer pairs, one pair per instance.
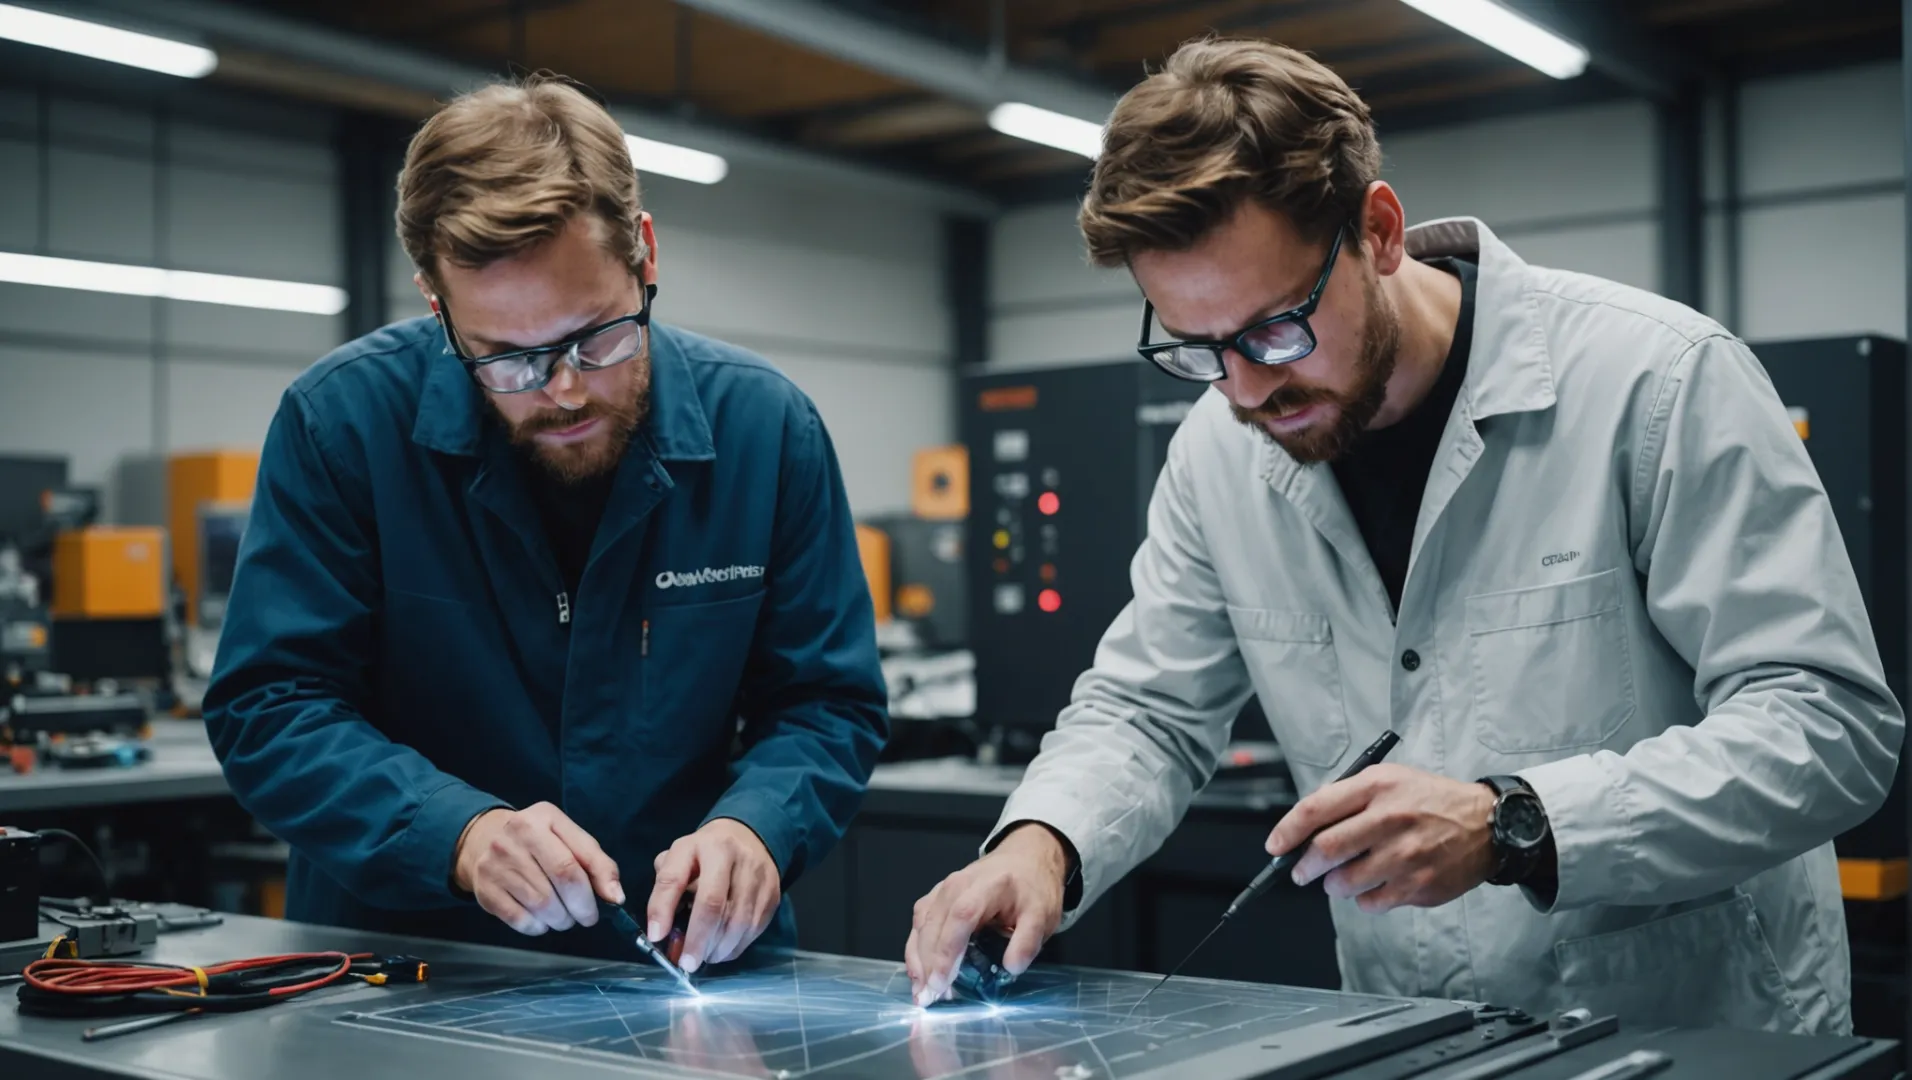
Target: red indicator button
{"points": [[1048, 503], [1049, 600]]}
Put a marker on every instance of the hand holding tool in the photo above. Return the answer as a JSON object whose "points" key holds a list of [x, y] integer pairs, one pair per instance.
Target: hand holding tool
{"points": [[627, 925], [1283, 863]]}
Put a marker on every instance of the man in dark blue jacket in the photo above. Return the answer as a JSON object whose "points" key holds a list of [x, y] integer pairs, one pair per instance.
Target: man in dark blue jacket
{"points": [[545, 596]]}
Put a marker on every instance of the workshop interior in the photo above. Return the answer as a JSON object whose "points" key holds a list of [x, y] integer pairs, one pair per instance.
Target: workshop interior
{"points": [[882, 199]]}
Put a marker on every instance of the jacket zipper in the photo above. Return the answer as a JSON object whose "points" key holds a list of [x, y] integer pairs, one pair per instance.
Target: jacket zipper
{"points": [[564, 609]]}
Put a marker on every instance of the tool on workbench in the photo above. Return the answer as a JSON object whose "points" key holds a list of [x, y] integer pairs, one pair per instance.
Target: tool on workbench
{"points": [[1281, 864], [626, 924], [1628, 1066], [1575, 1027], [982, 974]]}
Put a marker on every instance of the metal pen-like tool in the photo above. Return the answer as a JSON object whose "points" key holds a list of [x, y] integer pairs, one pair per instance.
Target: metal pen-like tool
{"points": [[626, 924], [1280, 864]]}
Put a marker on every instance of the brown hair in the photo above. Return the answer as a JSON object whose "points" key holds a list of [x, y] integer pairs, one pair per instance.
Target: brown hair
{"points": [[502, 168], [1227, 120]]}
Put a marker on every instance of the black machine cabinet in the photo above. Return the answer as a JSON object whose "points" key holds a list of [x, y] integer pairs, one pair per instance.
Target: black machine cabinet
{"points": [[1062, 464], [1847, 397]]}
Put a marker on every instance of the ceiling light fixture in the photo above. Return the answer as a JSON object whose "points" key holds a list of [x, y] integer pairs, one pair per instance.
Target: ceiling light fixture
{"points": [[171, 284], [102, 42], [1048, 128], [669, 159], [1510, 32]]}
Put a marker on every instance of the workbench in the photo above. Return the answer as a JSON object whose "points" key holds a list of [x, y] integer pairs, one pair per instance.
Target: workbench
{"points": [[920, 821], [490, 1012], [182, 766]]}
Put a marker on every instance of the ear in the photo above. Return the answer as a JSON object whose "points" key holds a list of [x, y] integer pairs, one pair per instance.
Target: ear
{"points": [[647, 273], [425, 291], [1383, 228]]}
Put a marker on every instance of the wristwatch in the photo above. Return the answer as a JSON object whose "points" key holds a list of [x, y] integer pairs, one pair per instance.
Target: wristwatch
{"points": [[1520, 829]]}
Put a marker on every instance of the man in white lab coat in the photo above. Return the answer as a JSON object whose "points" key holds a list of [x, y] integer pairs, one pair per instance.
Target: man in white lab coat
{"points": [[1555, 532]]}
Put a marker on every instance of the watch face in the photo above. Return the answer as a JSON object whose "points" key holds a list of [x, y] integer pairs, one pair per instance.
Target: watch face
{"points": [[1522, 821]]}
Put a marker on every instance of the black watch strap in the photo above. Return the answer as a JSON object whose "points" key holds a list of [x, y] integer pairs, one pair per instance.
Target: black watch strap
{"points": [[1512, 865]]}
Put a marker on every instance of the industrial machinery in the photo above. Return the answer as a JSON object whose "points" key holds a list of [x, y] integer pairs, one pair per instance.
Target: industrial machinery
{"points": [[1062, 462], [1848, 401]]}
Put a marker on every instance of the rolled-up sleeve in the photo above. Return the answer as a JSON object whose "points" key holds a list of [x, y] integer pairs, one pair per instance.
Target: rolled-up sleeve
{"points": [[1747, 577]]}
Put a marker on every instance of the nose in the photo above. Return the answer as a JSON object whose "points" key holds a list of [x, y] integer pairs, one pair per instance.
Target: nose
{"points": [[566, 388], [1247, 383]]}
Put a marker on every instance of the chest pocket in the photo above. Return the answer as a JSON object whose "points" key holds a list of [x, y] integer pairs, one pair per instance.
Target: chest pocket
{"points": [[1290, 657], [692, 667], [1551, 668]]}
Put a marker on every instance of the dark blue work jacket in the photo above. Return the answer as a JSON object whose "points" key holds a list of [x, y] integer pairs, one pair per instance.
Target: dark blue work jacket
{"points": [[398, 658]]}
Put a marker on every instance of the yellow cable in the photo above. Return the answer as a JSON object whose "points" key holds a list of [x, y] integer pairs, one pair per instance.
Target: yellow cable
{"points": [[200, 974]]}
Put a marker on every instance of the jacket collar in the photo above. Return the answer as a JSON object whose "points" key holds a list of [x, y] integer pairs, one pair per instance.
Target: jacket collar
{"points": [[1509, 369], [451, 407]]}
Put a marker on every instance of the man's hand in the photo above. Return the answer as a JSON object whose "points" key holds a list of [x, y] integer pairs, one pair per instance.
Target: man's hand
{"points": [[1016, 888], [1392, 836], [535, 869], [738, 888]]}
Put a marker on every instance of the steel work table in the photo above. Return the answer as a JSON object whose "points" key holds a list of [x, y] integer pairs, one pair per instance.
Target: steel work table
{"points": [[490, 1012], [182, 766]]}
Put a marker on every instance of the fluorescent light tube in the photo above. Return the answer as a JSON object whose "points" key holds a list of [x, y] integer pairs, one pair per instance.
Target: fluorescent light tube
{"points": [[171, 284], [669, 159], [1510, 32], [105, 42], [1048, 128]]}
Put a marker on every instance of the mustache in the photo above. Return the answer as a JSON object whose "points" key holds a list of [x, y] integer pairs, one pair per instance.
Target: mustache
{"points": [[1287, 400], [560, 419]]}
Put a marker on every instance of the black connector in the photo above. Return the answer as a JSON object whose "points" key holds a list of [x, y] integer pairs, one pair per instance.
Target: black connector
{"points": [[403, 968]]}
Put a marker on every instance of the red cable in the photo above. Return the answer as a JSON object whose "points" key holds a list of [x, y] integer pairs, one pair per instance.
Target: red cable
{"points": [[107, 977]]}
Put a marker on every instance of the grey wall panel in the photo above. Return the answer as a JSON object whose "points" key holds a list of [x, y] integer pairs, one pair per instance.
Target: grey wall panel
{"points": [[19, 195], [878, 415], [817, 297], [243, 151], [260, 226], [101, 206], [70, 119], [1595, 159], [273, 337], [1075, 335], [45, 314], [1823, 130], [211, 406], [1626, 253], [1037, 255], [91, 408], [1826, 268], [20, 110]]}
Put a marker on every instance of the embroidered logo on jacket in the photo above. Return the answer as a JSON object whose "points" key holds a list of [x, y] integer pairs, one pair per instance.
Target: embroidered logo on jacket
{"points": [[1559, 557], [707, 576]]}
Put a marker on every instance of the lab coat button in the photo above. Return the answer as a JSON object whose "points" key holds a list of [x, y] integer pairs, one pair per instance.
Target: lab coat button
{"points": [[1411, 660]]}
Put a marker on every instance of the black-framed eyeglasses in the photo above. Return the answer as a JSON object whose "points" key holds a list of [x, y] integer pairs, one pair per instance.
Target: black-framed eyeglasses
{"points": [[607, 344], [1277, 339]]}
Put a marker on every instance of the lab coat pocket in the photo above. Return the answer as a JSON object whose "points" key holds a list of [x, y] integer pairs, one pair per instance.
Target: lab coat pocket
{"points": [[692, 657], [1290, 656], [1707, 963], [1551, 666]]}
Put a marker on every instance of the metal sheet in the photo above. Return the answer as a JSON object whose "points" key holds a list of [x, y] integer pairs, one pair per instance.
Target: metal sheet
{"points": [[498, 1012]]}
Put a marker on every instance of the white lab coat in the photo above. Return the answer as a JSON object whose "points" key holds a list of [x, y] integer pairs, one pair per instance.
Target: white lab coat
{"points": [[1626, 586]]}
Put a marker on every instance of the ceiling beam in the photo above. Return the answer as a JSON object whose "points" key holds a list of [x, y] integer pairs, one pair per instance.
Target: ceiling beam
{"points": [[226, 25], [915, 58], [1626, 51]]}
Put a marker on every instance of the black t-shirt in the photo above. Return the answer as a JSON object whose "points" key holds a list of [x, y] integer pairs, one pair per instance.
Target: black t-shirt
{"points": [[571, 513], [1383, 475]]}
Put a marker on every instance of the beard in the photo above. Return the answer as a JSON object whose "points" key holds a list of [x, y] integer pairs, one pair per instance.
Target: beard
{"points": [[574, 463], [1352, 410]]}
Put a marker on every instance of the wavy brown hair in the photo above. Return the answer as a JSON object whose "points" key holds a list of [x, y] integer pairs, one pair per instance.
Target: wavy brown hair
{"points": [[502, 168], [1223, 121]]}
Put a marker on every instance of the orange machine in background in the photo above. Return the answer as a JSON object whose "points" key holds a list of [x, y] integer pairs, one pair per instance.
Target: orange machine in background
{"points": [[873, 547], [107, 572], [192, 482], [939, 483]]}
